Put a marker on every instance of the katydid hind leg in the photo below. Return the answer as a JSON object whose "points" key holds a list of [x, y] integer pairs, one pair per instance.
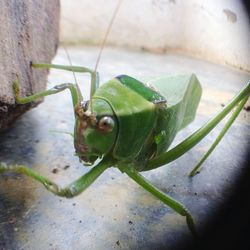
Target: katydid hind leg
{"points": [[72, 190], [197, 136], [229, 123]]}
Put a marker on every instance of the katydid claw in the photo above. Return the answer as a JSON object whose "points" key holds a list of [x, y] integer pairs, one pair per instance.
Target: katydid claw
{"points": [[67, 192], [52, 187]]}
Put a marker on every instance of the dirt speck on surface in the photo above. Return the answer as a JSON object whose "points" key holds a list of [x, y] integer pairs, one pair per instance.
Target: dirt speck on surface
{"points": [[66, 167], [55, 170], [247, 108]]}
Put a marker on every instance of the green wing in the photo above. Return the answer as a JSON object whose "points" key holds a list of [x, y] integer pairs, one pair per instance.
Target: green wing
{"points": [[183, 93]]}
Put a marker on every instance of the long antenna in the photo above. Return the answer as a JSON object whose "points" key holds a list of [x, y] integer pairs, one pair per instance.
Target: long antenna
{"points": [[70, 62], [107, 33]]}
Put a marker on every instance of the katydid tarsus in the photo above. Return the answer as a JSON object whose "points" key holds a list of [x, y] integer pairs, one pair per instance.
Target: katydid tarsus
{"points": [[130, 126]]}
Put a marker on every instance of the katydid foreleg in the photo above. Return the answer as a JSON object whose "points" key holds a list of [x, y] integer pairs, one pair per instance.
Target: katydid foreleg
{"points": [[69, 191], [94, 74], [74, 89], [75, 93]]}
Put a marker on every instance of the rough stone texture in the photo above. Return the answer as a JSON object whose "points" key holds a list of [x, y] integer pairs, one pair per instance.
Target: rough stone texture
{"points": [[28, 32]]}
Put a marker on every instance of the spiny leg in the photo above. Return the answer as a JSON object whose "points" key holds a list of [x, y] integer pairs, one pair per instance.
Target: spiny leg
{"points": [[75, 93], [69, 191], [229, 123], [94, 75], [197, 136], [169, 201]]}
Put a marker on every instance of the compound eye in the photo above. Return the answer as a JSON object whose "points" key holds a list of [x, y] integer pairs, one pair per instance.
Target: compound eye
{"points": [[106, 124]]}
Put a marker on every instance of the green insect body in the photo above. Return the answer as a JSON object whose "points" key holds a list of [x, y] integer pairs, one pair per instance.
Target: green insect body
{"points": [[144, 123]]}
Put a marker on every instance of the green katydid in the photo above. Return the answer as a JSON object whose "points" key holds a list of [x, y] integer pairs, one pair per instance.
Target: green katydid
{"points": [[129, 125]]}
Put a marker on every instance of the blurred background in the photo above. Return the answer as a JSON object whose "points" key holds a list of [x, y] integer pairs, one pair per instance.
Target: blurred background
{"points": [[218, 31]]}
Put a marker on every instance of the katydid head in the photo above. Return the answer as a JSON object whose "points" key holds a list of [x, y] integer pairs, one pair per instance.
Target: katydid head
{"points": [[96, 125], [95, 130]]}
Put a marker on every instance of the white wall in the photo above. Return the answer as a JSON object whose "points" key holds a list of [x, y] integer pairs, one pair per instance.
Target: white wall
{"points": [[216, 30]]}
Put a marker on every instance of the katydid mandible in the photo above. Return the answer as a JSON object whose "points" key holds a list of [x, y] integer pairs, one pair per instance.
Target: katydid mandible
{"points": [[130, 125]]}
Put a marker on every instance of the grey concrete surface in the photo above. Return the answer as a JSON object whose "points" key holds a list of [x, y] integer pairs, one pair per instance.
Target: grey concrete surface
{"points": [[115, 213]]}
